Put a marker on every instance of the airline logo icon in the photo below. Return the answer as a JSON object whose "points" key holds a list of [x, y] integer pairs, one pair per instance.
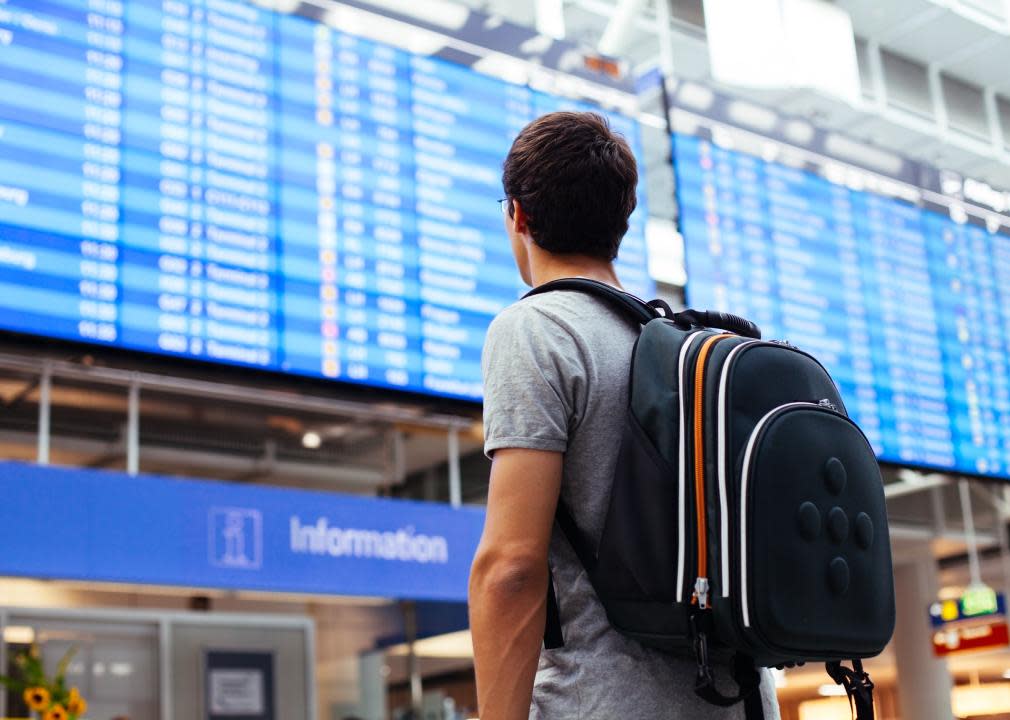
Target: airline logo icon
{"points": [[236, 538]]}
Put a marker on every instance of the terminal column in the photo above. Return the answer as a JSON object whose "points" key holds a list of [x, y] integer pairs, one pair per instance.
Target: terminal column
{"points": [[924, 682]]}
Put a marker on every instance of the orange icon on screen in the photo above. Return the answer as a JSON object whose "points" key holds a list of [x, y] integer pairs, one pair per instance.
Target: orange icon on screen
{"points": [[323, 67], [330, 312], [324, 99], [324, 83], [327, 257], [328, 292], [324, 117], [330, 348], [324, 150], [325, 203]]}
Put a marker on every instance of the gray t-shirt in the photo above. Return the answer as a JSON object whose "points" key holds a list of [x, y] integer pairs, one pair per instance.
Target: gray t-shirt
{"points": [[556, 372]]}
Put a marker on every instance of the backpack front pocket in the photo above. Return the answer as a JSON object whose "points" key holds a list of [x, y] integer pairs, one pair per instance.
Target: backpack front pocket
{"points": [[813, 537]]}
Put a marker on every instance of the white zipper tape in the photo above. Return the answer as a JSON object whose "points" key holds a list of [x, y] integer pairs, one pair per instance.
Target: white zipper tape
{"points": [[724, 576], [744, 480], [682, 500]]}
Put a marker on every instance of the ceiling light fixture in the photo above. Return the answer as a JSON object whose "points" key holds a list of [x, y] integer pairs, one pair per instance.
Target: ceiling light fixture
{"points": [[830, 690]]}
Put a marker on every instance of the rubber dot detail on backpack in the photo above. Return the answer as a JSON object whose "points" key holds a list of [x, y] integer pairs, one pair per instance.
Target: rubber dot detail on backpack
{"points": [[864, 531], [838, 576], [835, 476], [838, 525], [809, 521]]}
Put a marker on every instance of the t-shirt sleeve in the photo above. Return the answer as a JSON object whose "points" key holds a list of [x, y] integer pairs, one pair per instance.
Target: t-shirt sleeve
{"points": [[531, 367]]}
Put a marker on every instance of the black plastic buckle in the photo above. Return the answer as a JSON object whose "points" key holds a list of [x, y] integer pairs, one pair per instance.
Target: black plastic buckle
{"points": [[858, 687]]}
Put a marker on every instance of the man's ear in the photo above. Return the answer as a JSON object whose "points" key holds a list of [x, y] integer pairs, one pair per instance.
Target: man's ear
{"points": [[519, 218]]}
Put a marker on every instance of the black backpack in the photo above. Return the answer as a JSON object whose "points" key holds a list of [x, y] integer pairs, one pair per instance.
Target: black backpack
{"points": [[747, 522]]}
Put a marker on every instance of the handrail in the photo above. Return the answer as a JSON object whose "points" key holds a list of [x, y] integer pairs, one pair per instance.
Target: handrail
{"points": [[387, 412]]}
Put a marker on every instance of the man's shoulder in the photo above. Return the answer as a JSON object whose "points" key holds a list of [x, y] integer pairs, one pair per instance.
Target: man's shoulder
{"points": [[535, 318]]}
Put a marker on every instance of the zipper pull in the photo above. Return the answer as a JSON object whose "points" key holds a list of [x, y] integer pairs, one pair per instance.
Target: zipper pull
{"points": [[701, 593], [782, 342], [825, 403]]}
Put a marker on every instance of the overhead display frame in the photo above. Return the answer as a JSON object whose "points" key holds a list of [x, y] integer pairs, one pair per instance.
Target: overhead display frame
{"points": [[217, 181], [894, 274]]}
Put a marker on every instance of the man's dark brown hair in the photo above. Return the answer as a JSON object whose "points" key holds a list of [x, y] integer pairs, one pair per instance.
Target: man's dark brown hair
{"points": [[575, 179]]}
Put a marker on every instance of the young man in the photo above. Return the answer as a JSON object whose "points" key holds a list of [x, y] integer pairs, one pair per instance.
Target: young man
{"points": [[556, 372]]}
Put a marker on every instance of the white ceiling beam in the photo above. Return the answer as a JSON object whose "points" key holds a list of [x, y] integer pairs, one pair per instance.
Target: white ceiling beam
{"points": [[912, 481], [665, 38], [970, 51], [877, 73], [993, 119], [618, 31], [937, 99], [979, 17], [911, 24]]}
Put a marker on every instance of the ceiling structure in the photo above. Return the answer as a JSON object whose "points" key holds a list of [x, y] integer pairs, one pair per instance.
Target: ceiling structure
{"points": [[934, 73]]}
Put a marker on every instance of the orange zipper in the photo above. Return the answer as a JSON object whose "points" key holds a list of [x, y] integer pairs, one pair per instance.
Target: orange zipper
{"points": [[701, 584]]}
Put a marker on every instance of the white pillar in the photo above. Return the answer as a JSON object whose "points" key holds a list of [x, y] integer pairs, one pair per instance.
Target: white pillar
{"points": [[455, 481], [45, 407], [924, 682], [372, 684], [133, 429]]}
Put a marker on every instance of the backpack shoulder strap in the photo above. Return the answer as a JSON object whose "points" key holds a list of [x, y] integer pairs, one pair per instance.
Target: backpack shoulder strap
{"points": [[643, 312], [553, 637], [623, 302]]}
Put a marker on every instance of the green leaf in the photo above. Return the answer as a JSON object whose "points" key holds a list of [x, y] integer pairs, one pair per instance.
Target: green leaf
{"points": [[12, 684], [61, 669], [31, 664]]}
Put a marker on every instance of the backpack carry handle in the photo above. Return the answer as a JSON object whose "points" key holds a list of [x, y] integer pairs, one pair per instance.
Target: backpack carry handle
{"points": [[720, 320]]}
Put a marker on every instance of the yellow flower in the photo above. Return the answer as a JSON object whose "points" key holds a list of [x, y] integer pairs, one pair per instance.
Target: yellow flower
{"points": [[76, 705], [56, 712], [37, 698]]}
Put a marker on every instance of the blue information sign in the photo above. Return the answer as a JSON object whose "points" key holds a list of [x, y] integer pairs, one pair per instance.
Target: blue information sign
{"points": [[213, 180], [907, 305], [110, 527]]}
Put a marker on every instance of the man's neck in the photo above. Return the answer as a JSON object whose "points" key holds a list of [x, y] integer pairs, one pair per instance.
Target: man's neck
{"points": [[547, 267]]}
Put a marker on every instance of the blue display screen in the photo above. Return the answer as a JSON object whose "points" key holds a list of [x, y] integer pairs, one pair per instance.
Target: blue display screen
{"points": [[212, 180], [908, 309]]}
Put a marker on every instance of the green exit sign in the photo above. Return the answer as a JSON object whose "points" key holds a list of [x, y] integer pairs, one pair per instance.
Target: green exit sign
{"points": [[979, 600]]}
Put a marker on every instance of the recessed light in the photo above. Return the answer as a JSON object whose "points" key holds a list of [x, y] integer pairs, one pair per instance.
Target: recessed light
{"points": [[829, 690]]}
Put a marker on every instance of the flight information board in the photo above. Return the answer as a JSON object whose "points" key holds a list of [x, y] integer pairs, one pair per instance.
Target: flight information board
{"points": [[209, 179], [906, 304]]}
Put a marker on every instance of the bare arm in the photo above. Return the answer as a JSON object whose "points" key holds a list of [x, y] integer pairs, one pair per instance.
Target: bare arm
{"points": [[508, 580]]}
